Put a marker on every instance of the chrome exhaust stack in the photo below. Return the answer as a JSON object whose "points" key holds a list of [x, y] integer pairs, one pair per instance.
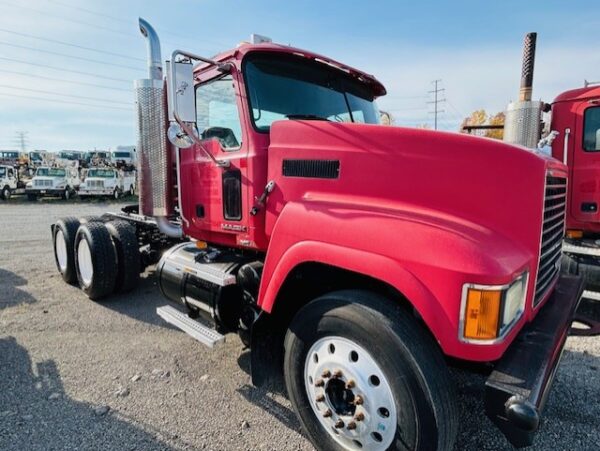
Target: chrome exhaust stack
{"points": [[154, 161], [522, 122]]}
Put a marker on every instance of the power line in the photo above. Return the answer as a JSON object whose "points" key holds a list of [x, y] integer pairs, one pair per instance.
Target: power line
{"points": [[41, 91], [89, 74], [70, 44], [436, 101], [65, 102], [81, 58], [128, 22], [22, 141], [82, 83]]}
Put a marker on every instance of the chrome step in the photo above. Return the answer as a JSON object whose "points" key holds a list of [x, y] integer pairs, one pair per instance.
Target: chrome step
{"points": [[593, 295], [200, 332]]}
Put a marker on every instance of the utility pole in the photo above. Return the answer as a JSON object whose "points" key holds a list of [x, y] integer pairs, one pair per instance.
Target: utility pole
{"points": [[21, 141], [436, 101]]}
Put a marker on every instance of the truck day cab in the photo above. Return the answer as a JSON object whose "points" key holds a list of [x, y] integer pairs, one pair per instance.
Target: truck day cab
{"points": [[108, 182], [53, 181], [9, 182], [354, 258]]}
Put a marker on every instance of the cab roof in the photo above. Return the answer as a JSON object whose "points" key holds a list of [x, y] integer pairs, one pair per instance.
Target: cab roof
{"points": [[587, 92], [238, 54]]}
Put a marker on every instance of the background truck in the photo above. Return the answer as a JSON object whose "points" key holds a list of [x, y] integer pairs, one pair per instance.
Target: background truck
{"points": [[10, 182], [124, 156], [106, 181], [355, 260], [570, 127], [53, 181]]}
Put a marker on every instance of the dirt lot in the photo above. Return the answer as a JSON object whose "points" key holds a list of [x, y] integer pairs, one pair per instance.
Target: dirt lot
{"points": [[75, 374]]}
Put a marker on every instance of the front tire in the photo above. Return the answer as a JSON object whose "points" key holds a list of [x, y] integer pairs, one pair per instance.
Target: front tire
{"points": [[6, 193], [116, 194], [95, 260], [66, 195], [362, 373]]}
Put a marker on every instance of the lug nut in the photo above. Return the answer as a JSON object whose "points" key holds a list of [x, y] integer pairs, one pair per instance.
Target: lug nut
{"points": [[350, 384], [327, 413], [339, 424], [319, 383], [337, 374], [359, 416], [358, 400], [326, 374], [320, 398], [351, 426]]}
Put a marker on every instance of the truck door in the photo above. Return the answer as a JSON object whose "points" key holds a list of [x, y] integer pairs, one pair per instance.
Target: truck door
{"points": [[214, 199], [585, 166]]}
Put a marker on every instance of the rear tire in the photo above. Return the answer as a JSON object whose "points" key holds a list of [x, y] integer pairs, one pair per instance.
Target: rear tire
{"points": [[128, 255], [95, 260], [408, 400], [63, 239]]}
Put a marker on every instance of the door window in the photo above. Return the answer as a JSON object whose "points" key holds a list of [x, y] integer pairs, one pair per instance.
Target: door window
{"points": [[591, 129], [217, 114]]}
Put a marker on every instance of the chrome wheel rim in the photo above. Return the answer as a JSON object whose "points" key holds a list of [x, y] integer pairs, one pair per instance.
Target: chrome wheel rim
{"points": [[61, 251], [84, 260], [350, 395]]}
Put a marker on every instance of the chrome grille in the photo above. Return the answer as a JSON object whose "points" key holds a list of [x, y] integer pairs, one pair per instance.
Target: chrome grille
{"points": [[42, 183], [552, 234], [97, 184]]}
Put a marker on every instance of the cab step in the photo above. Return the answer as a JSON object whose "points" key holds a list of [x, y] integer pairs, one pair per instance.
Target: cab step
{"points": [[196, 330]]}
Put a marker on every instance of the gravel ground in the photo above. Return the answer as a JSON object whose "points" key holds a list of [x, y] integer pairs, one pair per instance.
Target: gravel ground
{"points": [[75, 374]]}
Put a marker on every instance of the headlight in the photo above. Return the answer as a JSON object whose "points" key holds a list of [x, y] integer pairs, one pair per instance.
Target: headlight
{"points": [[488, 312]]}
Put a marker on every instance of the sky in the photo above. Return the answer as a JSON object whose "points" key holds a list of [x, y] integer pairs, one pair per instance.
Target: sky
{"points": [[67, 67]]}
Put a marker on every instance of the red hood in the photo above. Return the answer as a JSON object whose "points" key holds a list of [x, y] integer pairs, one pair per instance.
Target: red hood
{"points": [[476, 180]]}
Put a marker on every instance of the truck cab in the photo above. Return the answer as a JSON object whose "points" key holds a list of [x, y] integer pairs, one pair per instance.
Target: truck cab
{"points": [[351, 257], [9, 179], [53, 181]]}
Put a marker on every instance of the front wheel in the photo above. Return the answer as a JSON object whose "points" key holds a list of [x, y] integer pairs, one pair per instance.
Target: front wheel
{"points": [[116, 194], [6, 193], [66, 195], [371, 375], [131, 190]]}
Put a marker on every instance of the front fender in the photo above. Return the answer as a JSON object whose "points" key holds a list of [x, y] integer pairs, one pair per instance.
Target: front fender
{"points": [[425, 257]]}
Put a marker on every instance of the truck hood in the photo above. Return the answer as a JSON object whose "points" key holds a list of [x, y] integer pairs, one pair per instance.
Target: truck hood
{"points": [[486, 184]]}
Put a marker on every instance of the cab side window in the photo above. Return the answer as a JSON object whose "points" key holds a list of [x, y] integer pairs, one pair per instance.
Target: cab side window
{"points": [[591, 129], [217, 113]]}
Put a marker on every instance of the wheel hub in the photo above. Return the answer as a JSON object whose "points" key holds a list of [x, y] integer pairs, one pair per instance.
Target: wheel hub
{"points": [[350, 395]]}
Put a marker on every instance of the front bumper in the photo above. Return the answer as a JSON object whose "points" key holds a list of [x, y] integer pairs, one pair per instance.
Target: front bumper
{"points": [[517, 389], [97, 192], [45, 191]]}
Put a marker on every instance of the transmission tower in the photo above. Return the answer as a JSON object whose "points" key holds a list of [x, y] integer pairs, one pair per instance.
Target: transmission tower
{"points": [[436, 101], [21, 140]]}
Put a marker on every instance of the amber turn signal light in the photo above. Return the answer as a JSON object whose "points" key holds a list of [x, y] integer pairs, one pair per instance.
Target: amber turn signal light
{"points": [[574, 234], [482, 314]]}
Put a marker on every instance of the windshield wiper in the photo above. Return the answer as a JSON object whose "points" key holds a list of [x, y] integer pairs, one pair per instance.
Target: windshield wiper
{"points": [[309, 117]]}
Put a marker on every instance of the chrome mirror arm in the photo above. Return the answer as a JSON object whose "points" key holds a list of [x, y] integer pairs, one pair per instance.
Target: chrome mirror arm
{"points": [[194, 137]]}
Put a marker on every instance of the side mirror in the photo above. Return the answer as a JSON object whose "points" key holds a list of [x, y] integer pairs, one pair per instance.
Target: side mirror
{"points": [[182, 102]]}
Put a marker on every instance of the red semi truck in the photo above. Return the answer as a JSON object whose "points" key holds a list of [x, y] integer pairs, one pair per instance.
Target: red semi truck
{"points": [[355, 259]]}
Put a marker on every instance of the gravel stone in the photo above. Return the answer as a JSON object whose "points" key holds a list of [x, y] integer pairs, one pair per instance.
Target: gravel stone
{"points": [[101, 410]]}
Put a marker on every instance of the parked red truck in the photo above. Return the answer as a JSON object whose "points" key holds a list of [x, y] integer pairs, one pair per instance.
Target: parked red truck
{"points": [[356, 259]]}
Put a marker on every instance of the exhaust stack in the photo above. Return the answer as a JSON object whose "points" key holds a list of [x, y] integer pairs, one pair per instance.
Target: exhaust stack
{"points": [[153, 152], [522, 123]]}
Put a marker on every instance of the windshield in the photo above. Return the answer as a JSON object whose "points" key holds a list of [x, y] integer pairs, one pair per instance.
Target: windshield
{"points": [[292, 87], [101, 173], [50, 172], [121, 154]]}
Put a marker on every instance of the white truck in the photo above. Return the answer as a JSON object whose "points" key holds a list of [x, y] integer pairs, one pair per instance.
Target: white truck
{"points": [[54, 181], [124, 155], [108, 182], [10, 182]]}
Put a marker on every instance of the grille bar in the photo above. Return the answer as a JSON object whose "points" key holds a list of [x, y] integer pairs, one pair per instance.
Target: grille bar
{"points": [[555, 199]]}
